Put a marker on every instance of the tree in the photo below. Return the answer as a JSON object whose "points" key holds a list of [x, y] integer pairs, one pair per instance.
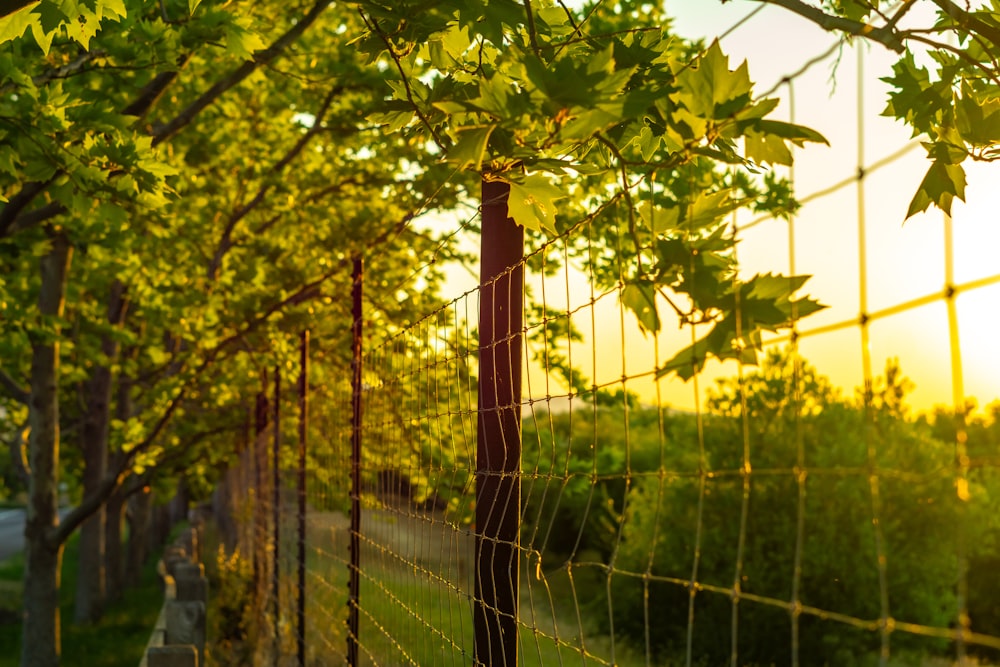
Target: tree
{"points": [[100, 121]]}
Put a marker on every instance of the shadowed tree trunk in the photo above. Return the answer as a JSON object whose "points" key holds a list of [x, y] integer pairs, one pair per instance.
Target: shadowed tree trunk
{"points": [[113, 562], [43, 552], [91, 581], [139, 520]]}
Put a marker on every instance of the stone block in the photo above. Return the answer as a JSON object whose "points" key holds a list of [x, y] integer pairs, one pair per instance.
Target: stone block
{"points": [[185, 623], [172, 656], [190, 581]]}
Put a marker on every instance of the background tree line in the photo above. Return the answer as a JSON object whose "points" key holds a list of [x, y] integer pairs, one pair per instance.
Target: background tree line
{"points": [[646, 502]]}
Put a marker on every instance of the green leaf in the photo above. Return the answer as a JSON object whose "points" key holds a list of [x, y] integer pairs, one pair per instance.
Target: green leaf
{"points": [[13, 25], [797, 134], [942, 183], [470, 147], [688, 361], [50, 19], [660, 219], [532, 203], [766, 149], [640, 298], [711, 89], [241, 42], [709, 207], [193, 5]]}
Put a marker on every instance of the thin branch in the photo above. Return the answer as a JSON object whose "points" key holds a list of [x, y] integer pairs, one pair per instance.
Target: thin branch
{"points": [[185, 117], [968, 20], [69, 69], [961, 53], [13, 389], [16, 204], [887, 37], [153, 90], [373, 26], [532, 31], [226, 241]]}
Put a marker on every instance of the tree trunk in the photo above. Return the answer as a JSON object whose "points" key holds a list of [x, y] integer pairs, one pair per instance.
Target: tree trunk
{"points": [[139, 519], [43, 554], [113, 562], [179, 504], [91, 577], [117, 509]]}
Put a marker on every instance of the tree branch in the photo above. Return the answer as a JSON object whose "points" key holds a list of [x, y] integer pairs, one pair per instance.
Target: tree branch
{"points": [[13, 389], [8, 7], [153, 90], [373, 26], [829, 22], [968, 20], [226, 241], [116, 480], [16, 204], [185, 117]]}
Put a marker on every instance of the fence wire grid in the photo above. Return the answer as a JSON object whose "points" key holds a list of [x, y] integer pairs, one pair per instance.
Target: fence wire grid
{"points": [[776, 522]]}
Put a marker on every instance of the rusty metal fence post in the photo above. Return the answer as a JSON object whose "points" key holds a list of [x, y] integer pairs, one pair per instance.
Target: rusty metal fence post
{"points": [[300, 612], [258, 520], [276, 498], [498, 455], [355, 548]]}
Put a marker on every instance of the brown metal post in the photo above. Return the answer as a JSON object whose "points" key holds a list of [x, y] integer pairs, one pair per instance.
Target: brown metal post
{"points": [[276, 510], [354, 585], [300, 615], [498, 457], [259, 517]]}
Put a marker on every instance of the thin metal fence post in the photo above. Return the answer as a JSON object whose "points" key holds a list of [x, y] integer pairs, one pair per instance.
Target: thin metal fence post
{"points": [[259, 519], [276, 510], [300, 615], [354, 568], [498, 454]]}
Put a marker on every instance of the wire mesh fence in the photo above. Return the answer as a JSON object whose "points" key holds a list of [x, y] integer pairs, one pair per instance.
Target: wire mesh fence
{"points": [[504, 482]]}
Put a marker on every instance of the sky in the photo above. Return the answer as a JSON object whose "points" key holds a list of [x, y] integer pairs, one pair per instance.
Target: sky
{"points": [[905, 261]]}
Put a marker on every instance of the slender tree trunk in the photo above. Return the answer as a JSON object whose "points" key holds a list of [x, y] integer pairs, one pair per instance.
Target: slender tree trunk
{"points": [[140, 515], [92, 577], [118, 503], [43, 555], [113, 561]]}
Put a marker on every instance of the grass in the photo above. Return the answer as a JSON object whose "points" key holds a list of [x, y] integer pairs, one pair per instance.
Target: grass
{"points": [[421, 613], [117, 641]]}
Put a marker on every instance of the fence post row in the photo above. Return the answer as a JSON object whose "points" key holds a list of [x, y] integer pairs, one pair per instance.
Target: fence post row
{"points": [[300, 612], [355, 549], [498, 452]]}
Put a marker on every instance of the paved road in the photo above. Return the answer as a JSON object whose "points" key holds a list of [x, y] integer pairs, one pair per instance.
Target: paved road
{"points": [[12, 531]]}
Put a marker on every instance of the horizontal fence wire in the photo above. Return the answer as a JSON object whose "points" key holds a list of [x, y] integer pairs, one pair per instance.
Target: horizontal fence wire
{"points": [[775, 522]]}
